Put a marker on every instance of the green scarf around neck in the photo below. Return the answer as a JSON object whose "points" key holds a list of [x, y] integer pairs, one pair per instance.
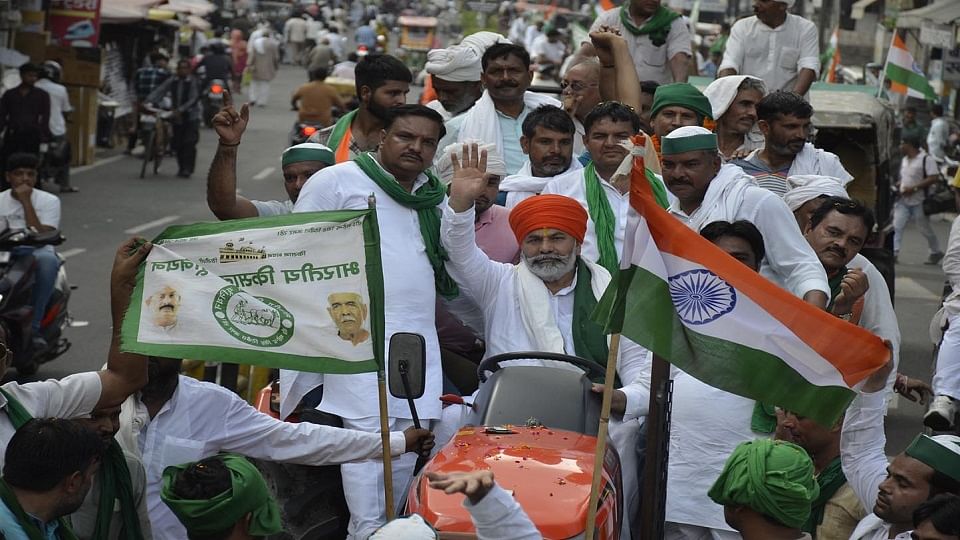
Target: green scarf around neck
{"points": [[27, 522], [15, 410], [604, 221], [115, 484], [657, 26], [830, 479], [588, 338], [424, 201], [340, 129]]}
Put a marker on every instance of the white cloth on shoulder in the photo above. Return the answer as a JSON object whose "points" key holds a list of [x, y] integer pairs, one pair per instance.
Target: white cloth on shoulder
{"points": [[524, 184], [813, 160], [723, 91], [480, 122], [806, 187]]}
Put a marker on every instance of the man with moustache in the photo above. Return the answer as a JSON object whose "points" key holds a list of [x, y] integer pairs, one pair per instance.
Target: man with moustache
{"points": [[734, 101], [498, 116], [116, 506], [605, 198], [348, 313], [175, 419], [382, 83], [544, 303], [777, 47], [408, 199], [677, 105], [785, 122], [165, 304], [455, 73], [547, 141]]}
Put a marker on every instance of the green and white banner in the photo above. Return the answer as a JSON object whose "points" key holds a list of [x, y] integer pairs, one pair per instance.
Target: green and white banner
{"points": [[301, 291]]}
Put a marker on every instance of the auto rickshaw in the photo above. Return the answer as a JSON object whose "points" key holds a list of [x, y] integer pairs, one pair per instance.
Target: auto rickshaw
{"points": [[417, 36]]}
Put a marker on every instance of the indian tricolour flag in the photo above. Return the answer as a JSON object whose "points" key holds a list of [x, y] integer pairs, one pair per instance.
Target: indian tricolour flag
{"points": [[833, 53], [706, 313], [905, 74]]}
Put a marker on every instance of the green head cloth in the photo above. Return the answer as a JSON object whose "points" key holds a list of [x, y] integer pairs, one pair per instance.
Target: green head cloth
{"points": [[307, 152], [687, 139], [681, 95], [940, 452], [248, 495], [774, 478]]}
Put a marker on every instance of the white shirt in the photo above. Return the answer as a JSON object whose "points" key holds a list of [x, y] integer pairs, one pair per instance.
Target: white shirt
{"points": [[938, 136], [878, 316], [59, 104], [790, 261], [576, 188], [775, 55], [912, 172], [652, 63], [530, 36], [554, 52], [45, 204], [70, 397], [409, 290], [273, 208], [202, 419], [864, 461], [295, 30], [524, 184]]}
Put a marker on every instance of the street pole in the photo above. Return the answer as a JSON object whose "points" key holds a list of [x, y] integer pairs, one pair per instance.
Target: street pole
{"points": [[656, 455]]}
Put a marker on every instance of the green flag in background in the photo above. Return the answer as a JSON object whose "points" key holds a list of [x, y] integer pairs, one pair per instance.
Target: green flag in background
{"points": [[300, 291]]}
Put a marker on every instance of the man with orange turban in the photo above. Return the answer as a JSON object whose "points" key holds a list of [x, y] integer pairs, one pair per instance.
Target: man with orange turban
{"points": [[544, 302]]}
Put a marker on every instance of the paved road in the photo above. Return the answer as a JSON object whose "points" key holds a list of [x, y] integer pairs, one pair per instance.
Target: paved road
{"points": [[113, 204]]}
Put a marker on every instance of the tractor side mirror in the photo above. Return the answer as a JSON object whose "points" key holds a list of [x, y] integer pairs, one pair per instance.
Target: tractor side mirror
{"points": [[407, 365]]}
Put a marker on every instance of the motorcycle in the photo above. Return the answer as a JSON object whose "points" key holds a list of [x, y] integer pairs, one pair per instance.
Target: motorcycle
{"points": [[16, 301], [302, 131], [212, 100]]}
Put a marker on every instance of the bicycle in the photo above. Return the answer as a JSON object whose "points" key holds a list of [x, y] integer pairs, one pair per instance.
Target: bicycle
{"points": [[154, 132]]}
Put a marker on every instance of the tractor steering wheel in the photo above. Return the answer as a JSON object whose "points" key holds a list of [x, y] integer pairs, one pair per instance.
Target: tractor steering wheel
{"points": [[492, 364]]}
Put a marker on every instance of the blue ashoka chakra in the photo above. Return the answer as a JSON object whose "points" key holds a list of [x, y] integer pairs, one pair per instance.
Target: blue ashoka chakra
{"points": [[700, 296]]}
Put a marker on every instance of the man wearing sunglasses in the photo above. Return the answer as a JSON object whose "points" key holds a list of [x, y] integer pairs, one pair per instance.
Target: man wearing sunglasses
{"points": [[580, 93], [79, 394]]}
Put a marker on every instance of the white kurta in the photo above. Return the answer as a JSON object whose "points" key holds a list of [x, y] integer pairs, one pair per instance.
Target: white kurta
{"points": [[775, 55], [409, 295], [732, 196], [524, 184], [878, 316], [864, 461], [575, 187], [202, 419], [498, 516]]}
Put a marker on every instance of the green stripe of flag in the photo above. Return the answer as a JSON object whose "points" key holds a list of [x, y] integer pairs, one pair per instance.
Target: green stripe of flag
{"points": [[659, 190], [649, 318], [911, 79]]}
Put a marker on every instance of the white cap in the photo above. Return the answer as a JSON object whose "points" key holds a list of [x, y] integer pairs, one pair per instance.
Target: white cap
{"points": [[443, 164], [806, 187]]}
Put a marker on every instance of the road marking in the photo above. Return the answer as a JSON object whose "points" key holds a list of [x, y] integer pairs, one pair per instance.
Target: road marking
{"points": [[71, 252], [264, 173], [151, 224], [909, 288], [105, 161]]}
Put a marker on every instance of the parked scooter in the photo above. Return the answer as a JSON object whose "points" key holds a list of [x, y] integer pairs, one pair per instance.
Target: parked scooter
{"points": [[16, 301], [212, 100]]}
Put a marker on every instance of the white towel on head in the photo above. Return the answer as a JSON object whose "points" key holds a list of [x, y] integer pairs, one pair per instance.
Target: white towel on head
{"points": [[480, 122], [723, 91], [806, 187], [455, 64], [443, 165]]}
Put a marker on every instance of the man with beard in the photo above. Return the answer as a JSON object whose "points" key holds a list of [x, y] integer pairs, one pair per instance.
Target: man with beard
{"points": [[49, 467], [499, 115], [605, 198], [892, 490], [116, 506], [382, 83], [547, 141], [165, 304], [297, 163], [543, 303], [348, 313], [455, 73], [785, 122], [734, 101], [175, 419], [775, 46], [408, 198]]}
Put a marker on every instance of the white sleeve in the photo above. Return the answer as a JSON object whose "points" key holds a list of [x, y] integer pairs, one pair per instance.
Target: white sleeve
{"points": [[65, 102], [319, 193], [271, 208], [678, 40], [634, 370], [257, 435], [48, 212], [809, 48], [498, 516], [72, 396], [468, 265], [734, 49], [862, 444], [930, 167], [879, 317], [831, 166], [951, 259], [788, 253]]}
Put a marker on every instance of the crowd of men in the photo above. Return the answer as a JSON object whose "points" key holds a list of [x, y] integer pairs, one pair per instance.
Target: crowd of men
{"points": [[506, 211]]}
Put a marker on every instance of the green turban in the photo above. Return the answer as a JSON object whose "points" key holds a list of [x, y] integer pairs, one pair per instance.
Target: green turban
{"points": [[248, 495], [774, 478], [681, 95], [307, 152]]}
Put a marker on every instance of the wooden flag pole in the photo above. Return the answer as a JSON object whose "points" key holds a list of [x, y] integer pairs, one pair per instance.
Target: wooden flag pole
{"points": [[653, 496], [602, 436], [384, 422]]}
